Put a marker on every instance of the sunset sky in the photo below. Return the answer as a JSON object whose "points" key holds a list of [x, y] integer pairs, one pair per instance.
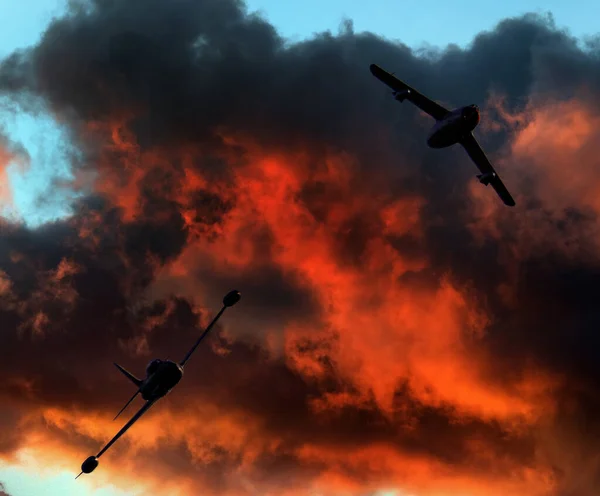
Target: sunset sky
{"points": [[401, 331]]}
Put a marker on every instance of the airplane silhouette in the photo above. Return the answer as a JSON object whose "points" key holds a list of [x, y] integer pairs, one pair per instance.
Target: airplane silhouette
{"points": [[161, 377], [451, 127]]}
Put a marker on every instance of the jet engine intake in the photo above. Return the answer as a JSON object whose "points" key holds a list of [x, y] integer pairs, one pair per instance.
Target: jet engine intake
{"points": [[401, 95], [231, 298], [486, 178]]}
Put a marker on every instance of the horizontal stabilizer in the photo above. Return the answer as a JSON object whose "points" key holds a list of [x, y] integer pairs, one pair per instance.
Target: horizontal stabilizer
{"points": [[127, 404], [129, 375]]}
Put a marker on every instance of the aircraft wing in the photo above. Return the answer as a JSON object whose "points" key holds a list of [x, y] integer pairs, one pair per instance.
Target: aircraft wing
{"points": [[229, 300], [133, 420], [202, 336], [483, 164], [428, 106]]}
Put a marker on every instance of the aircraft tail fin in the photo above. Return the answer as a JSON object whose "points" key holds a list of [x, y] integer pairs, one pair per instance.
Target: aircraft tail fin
{"points": [[129, 375]]}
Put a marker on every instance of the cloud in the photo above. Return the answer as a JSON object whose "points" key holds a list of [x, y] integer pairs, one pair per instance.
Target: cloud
{"points": [[399, 326], [2, 492], [11, 155]]}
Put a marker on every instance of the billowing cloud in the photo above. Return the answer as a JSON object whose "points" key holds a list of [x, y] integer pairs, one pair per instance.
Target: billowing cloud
{"points": [[10, 155], [2, 491], [399, 329]]}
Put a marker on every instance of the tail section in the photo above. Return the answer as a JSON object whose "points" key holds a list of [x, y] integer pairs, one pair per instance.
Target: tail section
{"points": [[129, 375]]}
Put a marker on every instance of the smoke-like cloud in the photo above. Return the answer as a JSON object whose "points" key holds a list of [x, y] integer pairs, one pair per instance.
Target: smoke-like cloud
{"points": [[2, 490], [399, 328]]}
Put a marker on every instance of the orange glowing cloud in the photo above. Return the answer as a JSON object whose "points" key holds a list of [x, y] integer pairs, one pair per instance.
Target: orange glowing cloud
{"points": [[380, 466], [378, 331], [380, 325], [209, 435], [551, 164], [368, 353], [5, 192], [560, 142]]}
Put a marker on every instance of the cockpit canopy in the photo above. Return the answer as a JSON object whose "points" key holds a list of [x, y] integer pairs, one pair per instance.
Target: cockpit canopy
{"points": [[471, 114], [152, 366]]}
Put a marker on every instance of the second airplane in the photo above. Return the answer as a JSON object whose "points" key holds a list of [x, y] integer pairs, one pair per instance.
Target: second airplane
{"points": [[451, 127]]}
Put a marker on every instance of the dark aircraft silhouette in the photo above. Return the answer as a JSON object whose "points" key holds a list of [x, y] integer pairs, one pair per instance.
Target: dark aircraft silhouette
{"points": [[161, 377], [451, 127]]}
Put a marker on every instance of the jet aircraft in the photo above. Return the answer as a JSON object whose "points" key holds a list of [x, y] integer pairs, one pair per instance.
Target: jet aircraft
{"points": [[161, 377], [451, 127]]}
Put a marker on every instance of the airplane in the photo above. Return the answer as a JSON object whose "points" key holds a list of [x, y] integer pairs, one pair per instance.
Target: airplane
{"points": [[161, 377], [451, 127]]}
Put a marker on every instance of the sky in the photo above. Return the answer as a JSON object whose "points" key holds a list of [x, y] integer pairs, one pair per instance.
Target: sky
{"points": [[401, 332], [31, 177]]}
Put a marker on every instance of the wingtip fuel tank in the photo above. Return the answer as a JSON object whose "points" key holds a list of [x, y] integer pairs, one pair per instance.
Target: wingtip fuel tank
{"points": [[89, 465], [231, 298]]}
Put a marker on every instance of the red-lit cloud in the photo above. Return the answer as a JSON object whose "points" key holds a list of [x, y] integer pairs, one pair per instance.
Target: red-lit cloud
{"points": [[399, 329]]}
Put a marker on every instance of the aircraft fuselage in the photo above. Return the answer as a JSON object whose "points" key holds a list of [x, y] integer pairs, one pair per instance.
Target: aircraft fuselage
{"points": [[452, 128], [162, 376]]}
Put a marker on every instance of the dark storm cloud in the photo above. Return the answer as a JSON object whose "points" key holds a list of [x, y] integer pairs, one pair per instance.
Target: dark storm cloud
{"points": [[189, 70], [2, 490], [557, 300], [270, 295], [187, 77]]}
